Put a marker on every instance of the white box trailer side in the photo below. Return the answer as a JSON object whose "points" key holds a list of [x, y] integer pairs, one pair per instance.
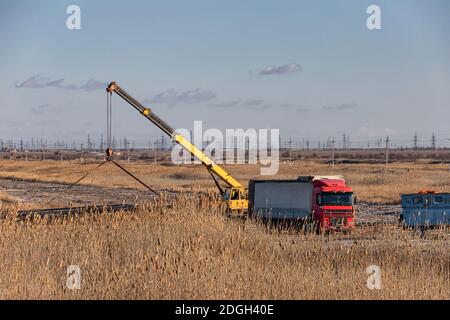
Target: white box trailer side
{"points": [[280, 199]]}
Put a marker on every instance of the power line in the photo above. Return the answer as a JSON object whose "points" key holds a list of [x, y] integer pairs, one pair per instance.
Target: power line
{"points": [[387, 152]]}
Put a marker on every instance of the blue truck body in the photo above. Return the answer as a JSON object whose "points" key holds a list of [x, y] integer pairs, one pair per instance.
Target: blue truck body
{"points": [[425, 209]]}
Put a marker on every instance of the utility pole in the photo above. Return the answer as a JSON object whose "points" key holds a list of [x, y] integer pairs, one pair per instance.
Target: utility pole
{"points": [[128, 150], [415, 139], [247, 149], [154, 151], [290, 150], [163, 142], [332, 152], [433, 141], [89, 143], [387, 152]]}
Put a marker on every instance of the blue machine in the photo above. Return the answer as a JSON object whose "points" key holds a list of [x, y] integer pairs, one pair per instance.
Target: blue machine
{"points": [[425, 209]]}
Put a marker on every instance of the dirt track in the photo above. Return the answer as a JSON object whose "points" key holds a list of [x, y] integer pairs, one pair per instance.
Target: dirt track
{"points": [[27, 192]]}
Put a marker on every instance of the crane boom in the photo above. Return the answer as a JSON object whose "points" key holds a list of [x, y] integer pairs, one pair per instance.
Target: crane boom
{"points": [[178, 138]]}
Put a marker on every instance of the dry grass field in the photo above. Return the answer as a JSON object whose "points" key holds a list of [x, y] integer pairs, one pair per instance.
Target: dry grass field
{"points": [[184, 248], [371, 182], [6, 198], [189, 251]]}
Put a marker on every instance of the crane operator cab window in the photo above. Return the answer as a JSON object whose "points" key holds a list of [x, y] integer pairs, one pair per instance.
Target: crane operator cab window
{"points": [[234, 195]]}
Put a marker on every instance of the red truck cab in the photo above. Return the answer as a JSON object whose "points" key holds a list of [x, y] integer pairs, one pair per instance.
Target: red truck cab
{"points": [[333, 203]]}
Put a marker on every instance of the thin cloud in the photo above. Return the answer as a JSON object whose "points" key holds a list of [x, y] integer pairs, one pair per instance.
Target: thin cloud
{"points": [[93, 84], [35, 82], [172, 97], [280, 70], [250, 104], [340, 107], [290, 106], [39, 82], [225, 104], [55, 83], [253, 103], [259, 106]]}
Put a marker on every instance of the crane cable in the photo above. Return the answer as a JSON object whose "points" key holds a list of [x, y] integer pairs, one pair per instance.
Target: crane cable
{"points": [[109, 158], [109, 150], [134, 177], [108, 121]]}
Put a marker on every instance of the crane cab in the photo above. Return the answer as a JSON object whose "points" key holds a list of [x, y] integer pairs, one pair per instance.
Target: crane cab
{"points": [[236, 199]]}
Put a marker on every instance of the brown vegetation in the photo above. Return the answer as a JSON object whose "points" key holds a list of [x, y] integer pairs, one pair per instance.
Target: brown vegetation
{"points": [[5, 198], [371, 182], [187, 251]]}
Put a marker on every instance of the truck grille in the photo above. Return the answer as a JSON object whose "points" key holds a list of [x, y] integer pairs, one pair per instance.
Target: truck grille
{"points": [[343, 212]]}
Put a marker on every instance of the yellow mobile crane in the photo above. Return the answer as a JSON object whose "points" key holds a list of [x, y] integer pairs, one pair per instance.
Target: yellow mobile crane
{"points": [[235, 194]]}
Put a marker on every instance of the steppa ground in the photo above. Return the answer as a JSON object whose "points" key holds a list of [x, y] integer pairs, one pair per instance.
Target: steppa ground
{"points": [[186, 249]]}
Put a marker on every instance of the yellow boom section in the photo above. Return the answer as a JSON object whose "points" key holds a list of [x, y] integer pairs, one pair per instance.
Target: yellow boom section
{"points": [[216, 169], [186, 144]]}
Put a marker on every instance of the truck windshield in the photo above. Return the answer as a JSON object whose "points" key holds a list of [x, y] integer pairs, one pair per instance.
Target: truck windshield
{"points": [[336, 199]]}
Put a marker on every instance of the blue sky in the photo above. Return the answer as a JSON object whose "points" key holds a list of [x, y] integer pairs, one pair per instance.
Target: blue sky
{"points": [[205, 60]]}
